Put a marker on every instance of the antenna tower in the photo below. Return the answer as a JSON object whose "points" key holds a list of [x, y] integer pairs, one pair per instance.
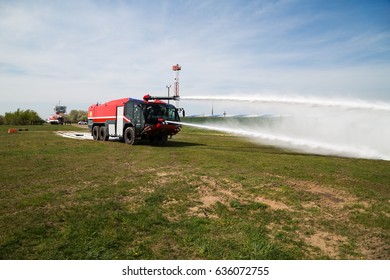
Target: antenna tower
{"points": [[176, 68]]}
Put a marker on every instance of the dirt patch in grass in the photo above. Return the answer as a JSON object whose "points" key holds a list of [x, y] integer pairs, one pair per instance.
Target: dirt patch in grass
{"points": [[327, 242], [209, 192], [165, 177], [329, 197], [373, 247], [169, 207], [274, 205]]}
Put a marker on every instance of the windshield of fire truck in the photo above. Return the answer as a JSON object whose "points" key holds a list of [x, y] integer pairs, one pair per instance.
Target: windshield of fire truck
{"points": [[165, 111]]}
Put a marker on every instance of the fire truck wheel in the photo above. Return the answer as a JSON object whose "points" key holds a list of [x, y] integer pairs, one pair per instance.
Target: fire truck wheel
{"points": [[162, 139], [103, 135], [95, 133], [129, 136]]}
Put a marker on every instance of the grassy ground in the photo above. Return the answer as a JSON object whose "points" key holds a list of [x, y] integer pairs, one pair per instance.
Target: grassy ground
{"points": [[204, 195]]}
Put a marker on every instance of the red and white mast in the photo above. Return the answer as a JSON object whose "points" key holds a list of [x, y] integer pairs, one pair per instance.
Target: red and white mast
{"points": [[176, 68]]}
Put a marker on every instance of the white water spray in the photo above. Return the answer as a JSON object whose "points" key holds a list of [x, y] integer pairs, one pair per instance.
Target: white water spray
{"points": [[299, 100], [333, 127]]}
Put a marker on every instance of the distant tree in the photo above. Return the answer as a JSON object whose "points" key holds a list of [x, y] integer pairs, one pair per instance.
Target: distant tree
{"points": [[78, 115], [22, 117], [1, 119], [73, 116]]}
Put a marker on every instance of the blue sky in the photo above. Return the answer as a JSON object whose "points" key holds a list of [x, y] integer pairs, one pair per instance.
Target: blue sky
{"points": [[81, 52]]}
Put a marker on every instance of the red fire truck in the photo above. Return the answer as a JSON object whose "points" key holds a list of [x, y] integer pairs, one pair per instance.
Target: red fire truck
{"points": [[133, 119]]}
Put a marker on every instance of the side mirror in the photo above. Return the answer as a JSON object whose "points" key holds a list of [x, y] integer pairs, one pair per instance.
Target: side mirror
{"points": [[182, 111]]}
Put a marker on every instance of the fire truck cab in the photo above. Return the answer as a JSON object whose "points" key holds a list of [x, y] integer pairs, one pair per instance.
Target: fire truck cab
{"points": [[132, 120]]}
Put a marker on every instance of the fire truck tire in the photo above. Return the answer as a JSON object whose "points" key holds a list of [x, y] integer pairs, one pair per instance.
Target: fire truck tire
{"points": [[129, 136], [103, 135], [95, 133], [161, 139]]}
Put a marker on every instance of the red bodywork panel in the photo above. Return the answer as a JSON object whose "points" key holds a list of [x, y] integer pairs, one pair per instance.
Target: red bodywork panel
{"points": [[106, 111]]}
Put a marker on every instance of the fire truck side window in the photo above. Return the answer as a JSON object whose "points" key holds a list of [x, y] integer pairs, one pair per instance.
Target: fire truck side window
{"points": [[172, 113], [138, 115], [129, 109]]}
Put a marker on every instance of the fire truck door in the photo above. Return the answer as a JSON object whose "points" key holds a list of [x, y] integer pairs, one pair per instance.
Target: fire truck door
{"points": [[119, 121], [139, 120]]}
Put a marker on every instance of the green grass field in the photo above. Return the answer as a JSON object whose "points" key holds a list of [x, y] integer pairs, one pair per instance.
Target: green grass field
{"points": [[204, 195]]}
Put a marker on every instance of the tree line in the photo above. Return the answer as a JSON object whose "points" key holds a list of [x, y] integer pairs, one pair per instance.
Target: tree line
{"points": [[21, 117], [28, 117]]}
